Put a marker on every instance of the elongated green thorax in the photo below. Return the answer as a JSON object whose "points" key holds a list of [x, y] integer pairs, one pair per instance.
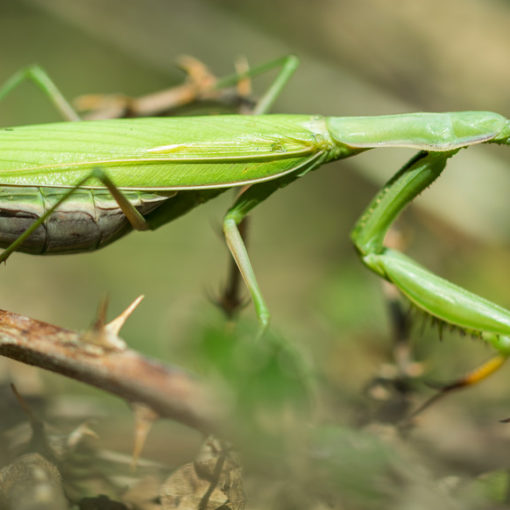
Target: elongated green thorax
{"points": [[425, 131]]}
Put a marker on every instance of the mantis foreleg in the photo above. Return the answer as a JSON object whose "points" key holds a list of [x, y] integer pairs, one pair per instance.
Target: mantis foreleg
{"points": [[431, 294], [477, 375]]}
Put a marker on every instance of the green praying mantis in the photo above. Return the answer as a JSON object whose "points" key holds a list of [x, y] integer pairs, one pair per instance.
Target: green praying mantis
{"points": [[77, 186]]}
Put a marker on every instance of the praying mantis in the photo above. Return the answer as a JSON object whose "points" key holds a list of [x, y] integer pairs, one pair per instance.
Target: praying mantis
{"points": [[77, 186]]}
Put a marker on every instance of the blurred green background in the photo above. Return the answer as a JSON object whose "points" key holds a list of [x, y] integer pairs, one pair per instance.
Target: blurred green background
{"points": [[358, 57]]}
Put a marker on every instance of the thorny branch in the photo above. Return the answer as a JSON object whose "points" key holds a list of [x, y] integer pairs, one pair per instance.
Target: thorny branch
{"points": [[99, 358]]}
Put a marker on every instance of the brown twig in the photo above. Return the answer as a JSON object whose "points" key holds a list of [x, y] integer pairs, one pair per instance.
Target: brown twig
{"points": [[199, 85], [170, 392]]}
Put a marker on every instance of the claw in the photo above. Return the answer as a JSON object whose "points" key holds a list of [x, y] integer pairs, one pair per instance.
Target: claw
{"points": [[474, 377]]}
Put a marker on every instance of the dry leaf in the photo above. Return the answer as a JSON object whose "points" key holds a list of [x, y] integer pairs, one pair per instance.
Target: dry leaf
{"points": [[212, 482]]}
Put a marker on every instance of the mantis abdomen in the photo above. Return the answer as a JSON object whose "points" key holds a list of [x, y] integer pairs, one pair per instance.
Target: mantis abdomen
{"points": [[89, 220]]}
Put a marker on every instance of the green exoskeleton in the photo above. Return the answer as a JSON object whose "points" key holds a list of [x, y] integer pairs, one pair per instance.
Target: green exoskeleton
{"points": [[76, 186]]}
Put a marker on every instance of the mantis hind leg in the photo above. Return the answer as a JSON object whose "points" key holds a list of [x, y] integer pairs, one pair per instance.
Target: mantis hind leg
{"points": [[39, 77], [287, 64], [42, 80], [135, 218]]}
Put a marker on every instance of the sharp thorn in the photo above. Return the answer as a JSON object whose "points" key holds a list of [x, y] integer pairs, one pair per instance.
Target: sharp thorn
{"points": [[144, 418], [106, 335], [114, 326], [102, 309]]}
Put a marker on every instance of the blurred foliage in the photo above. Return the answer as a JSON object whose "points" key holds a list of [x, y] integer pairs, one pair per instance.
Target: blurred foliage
{"points": [[308, 418]]}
